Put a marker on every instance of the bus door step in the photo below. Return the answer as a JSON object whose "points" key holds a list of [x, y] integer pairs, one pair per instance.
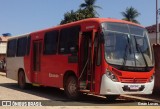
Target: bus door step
{"points": [[89, 84], [35, 84], [82, 84]]}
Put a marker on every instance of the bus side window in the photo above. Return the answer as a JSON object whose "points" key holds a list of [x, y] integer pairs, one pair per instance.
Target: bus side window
{"points": [[69, 40], [50, 42], [21, 46], [11, 49], [28, 45]]}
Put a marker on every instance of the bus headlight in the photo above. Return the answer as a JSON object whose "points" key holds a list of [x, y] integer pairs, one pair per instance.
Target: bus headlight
{"points": [[111, 76], [151, 78]]}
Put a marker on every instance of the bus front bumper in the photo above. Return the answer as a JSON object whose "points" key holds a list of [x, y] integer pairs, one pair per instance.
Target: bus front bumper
{"points": [[109, 87]]}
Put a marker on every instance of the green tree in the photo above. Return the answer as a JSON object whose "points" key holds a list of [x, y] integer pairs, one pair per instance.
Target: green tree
{"points": [[130, 14], [84, 14], [69, 17], [87, 10], [90, 6]]}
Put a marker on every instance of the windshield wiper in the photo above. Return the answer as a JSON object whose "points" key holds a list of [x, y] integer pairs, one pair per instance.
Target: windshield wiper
{"points": [[125, 54], [139, 49]]}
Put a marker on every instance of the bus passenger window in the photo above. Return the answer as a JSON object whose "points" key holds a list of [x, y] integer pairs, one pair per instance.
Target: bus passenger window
{"points": [[69, 40], [50, 42], [62, 50], [12, 46], [28, 45], [21, 46]]}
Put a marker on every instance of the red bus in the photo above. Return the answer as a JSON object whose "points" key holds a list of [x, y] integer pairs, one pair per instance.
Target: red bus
{"points": [[102, 56]]}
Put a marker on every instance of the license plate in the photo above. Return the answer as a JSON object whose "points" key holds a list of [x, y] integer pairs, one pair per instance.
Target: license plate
{"points": [[134, 87]]}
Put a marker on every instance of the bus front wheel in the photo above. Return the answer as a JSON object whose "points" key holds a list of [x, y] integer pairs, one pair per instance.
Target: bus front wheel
{"points": [[71, 87], [21, 80]]}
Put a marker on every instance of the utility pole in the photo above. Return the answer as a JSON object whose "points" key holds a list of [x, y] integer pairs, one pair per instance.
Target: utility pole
{"points": [[157, 29]]}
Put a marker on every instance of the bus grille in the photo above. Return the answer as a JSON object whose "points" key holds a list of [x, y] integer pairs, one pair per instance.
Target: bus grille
{"points": [[133, 80]]}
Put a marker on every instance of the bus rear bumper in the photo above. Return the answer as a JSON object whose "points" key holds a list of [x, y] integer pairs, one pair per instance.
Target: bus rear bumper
{"points": [[109, 87]]}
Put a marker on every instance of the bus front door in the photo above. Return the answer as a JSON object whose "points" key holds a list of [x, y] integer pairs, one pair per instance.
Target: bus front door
{"points": [[86, 65], [37, 50]]}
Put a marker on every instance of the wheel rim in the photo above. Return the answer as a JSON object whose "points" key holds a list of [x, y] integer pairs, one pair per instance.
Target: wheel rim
{"points": [[72, 88]]}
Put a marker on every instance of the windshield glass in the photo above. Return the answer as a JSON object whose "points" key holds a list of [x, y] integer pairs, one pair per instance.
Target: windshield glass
{"points": [[127, 45]]}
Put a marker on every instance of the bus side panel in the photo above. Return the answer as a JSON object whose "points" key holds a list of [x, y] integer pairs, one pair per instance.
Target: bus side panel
{"points": [[27, 68], [13, 65], [53, 69], [97, 79]]}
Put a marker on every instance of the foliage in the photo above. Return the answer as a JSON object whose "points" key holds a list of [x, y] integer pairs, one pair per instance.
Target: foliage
{"points": [[87, 10], [130, 14], [69, 17], [90, 6]]}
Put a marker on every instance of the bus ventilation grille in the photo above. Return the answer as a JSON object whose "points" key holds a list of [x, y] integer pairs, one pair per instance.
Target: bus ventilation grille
{"points": [[134, 80]]}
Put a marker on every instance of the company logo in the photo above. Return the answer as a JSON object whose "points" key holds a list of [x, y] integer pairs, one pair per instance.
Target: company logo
{"points": [[21, 103], [90, 27], [134, 80], [6, 103], [51, 75]]}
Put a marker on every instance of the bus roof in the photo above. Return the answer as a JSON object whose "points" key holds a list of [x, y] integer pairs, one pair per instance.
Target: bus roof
{"points": [[22, 35], [98, 20]]}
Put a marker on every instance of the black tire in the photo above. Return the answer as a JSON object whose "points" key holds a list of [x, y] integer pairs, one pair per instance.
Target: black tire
{"points": [[22, 80], [112, 97], [71, 88]]}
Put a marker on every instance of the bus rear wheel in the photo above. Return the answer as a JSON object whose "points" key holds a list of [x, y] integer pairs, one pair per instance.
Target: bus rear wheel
{"points": [[71, 87], [112, 97], [21, 80]]}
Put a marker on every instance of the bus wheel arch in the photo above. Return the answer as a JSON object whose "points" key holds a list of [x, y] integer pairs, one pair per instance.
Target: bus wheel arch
{"points": [[70, 84], [21, 79], [66, 75]]}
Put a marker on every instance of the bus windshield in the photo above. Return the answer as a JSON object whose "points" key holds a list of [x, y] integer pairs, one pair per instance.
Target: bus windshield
{"points": [[127, 45]]}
